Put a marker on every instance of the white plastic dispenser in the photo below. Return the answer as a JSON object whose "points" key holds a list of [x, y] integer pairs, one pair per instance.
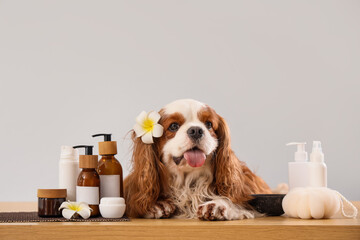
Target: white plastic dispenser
{"points": [[299, 170], [318, 166], [303, 173], [69, 171]]}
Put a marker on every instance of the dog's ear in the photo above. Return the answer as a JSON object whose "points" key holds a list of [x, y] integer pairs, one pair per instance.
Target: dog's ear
{"points": [[233, 178], [147, 181]]}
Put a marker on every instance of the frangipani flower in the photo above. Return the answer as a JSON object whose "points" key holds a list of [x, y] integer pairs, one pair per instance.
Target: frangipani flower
{"points": [[147, 127], [73, 209]]}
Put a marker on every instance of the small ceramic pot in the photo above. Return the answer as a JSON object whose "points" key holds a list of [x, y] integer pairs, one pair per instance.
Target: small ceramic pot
{"points": [[112, 207]]}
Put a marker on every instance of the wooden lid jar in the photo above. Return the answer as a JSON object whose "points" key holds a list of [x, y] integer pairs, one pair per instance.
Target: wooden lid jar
{"points": [[49, 202]]}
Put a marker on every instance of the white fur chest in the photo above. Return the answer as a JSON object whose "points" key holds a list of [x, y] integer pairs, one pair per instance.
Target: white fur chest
{"points": [[191, 189]]}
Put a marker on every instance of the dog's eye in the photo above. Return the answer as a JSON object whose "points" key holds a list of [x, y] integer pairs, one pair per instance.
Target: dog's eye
{"points": [[208, 125], [174, 127]]}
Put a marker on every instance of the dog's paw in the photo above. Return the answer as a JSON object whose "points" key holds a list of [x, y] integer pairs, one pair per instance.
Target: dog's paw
{"points": [[222, 210], [161, 209], [212, 211]]}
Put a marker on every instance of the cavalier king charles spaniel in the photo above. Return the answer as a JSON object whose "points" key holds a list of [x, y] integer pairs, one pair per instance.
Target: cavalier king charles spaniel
{"points": [[191, 171]]}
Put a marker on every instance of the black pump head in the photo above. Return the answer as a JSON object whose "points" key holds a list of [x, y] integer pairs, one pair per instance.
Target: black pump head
{"points": [[107, 136], [88, 149]]}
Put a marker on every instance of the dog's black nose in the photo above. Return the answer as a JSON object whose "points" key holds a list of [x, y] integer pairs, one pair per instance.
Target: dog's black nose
{"points": [[195, 133]]}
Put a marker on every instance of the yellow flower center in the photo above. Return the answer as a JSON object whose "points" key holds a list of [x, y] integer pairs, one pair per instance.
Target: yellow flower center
{"points": [[75, 207], [148, 125]]}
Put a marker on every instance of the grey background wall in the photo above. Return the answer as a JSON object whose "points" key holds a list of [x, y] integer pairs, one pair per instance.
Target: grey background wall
{"points": [[278, 71]]}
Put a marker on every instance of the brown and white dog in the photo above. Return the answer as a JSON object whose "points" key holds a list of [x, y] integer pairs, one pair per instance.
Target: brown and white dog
{"points": [[191, 170]]}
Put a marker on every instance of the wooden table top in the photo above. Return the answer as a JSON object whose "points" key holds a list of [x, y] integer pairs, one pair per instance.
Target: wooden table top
{"points": [[260, 228]]}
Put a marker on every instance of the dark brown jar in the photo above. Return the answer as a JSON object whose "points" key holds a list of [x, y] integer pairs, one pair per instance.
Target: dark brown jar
{"points": [[49, 201]]}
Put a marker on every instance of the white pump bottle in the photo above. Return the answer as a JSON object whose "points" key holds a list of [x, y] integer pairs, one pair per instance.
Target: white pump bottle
{"points": [[303, 173], [318, 168], [299, 173]]}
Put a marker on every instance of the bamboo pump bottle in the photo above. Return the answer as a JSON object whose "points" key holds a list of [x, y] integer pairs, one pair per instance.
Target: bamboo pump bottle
{"points": [[109, 169], [88, 182]]}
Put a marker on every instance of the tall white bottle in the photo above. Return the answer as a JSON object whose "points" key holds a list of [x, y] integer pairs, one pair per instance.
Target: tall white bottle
{"points": [[318, 166], [69, 171]]}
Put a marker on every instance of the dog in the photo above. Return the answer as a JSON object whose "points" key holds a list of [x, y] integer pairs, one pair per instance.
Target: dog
{"points": [[191, 170]]}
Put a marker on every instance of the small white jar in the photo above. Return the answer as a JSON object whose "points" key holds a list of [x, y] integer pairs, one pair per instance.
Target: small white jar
{"points": [[112, 207]]}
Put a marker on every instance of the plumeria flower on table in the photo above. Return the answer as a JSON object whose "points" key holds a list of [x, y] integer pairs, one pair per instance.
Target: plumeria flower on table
{"points": [[147, 126], [74, 209]]}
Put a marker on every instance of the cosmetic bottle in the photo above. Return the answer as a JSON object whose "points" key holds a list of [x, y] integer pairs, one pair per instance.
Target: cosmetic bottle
{"points": [[88, 182], [303, 173], [318, 166], [299, 172], [69, 171], [109, 168]]}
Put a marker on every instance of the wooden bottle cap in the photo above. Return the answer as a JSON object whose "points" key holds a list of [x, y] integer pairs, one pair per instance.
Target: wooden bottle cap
{"points": [[107, 148], [88, 161], [51, 193]]}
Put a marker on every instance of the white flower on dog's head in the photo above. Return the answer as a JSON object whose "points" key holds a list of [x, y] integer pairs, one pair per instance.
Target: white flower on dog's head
{"points": [[73, 209], [147, 127]]}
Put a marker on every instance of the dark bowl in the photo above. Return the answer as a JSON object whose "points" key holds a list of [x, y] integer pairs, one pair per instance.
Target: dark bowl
{"points": [[269, 204]]}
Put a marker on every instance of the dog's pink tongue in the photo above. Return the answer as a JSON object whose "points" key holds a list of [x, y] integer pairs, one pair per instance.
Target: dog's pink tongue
{"points": [[195, 158]]}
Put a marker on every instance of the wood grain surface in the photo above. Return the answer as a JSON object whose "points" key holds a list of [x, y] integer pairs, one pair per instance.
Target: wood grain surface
{"points": [[260, 228]]}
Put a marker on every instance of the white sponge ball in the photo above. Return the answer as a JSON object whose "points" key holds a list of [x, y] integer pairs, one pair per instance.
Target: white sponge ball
{"points": [[311, 202]]}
